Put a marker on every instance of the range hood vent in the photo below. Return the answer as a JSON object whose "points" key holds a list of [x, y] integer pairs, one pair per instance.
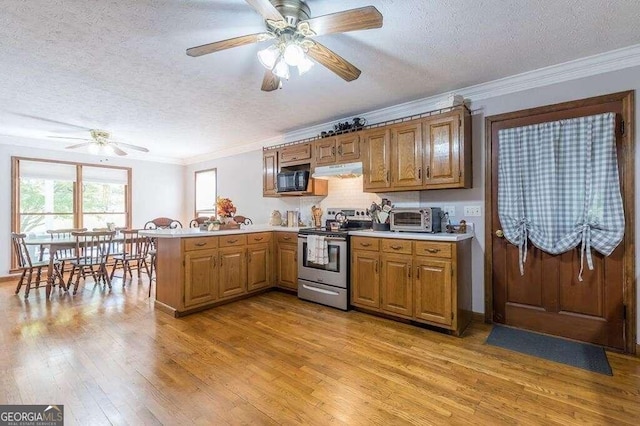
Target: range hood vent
{"points": [[348, 170]]}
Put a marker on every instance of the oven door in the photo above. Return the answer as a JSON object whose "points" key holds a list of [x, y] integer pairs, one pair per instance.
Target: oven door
{"points": [[333, 273]]}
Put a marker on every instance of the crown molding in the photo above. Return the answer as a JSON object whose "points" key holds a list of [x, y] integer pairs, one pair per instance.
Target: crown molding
{"points": [[234, 150]]}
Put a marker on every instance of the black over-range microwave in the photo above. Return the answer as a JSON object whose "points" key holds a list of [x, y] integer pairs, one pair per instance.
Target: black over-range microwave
{"points": [[293, 181]]}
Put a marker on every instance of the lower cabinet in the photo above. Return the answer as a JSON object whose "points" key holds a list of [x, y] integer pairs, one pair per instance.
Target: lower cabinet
{"points": [[258, 266], [201, 277], [233, 272], [427, 282], [287, 266]]}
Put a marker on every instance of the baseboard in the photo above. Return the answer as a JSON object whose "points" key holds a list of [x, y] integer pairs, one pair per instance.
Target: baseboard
{"points": [[8, 278], [477, 317]]}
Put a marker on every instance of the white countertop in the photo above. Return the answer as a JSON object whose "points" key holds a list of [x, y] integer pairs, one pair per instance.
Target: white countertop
{"points": [[196, 232], [441, 236]]}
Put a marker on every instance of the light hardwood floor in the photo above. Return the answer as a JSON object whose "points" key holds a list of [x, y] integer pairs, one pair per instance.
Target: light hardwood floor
{"points": [[109, 357]]}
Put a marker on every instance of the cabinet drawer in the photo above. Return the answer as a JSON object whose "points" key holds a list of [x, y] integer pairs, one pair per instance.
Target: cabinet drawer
{"points": [[365, 243], [259, 237], [396, 246], [288, 237], [233, 240], [295, 153], [200, 243], [429, 248]]}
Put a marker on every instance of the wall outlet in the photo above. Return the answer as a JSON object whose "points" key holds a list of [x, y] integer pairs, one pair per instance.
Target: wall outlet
{"points": [[449, 209], [472, 210]]}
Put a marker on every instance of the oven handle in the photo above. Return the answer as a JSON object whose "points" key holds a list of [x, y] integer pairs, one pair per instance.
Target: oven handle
{"points": [[321, 290], [301, 237]]}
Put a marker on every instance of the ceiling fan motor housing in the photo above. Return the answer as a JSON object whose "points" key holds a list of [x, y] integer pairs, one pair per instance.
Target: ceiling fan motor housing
{"points": [[292, 10]]}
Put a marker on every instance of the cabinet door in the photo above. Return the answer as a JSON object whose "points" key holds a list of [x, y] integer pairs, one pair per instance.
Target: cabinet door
{"points": [[442, 150], [295, 154], [348, 148], [288, 266], [377, 160], [433, 291], [406, 154], [233, 272], [365, 278], [200, 277], [269, 173], [325, 151], [397, 294], [258, 266]]}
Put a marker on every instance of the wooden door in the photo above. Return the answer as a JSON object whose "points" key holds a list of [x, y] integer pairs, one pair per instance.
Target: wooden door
{"points": [[432, 286], [377, 160], [233, 272], [348, 148], [325, 151], [200, 277], [442, 150], [396, 284], [288, 266], [549, 298], [365, 278], [269, 173], [406, 155], [258, 266]]}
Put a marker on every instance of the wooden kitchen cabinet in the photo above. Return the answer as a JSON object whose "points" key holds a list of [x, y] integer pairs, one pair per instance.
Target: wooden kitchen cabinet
{"points": [[425, 281], [325, 151], [258, 266], [442, 150], [200, 277], [338, 149], [396, 284], [291, 155], [365, 278], [233, 272], [287, 260], [406, 155], [269, 173], [376, 160]]}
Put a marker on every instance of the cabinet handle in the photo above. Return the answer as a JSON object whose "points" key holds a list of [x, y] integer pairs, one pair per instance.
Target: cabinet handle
{"points": [[214, 262], [376, 266], [201, 244], [387, 175], [333, 151], [221, 257], [418, 272], [295, 256], [396, 247], [428, 172], [258, 238], [432, 250], [286, 238], [232, 241], [294, 158], [249, 257], [420, 173], [409, 272], [365, 244], [340, 150]]}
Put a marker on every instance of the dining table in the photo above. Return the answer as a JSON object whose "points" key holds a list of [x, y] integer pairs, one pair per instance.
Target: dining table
{"points": [[54, 245]]}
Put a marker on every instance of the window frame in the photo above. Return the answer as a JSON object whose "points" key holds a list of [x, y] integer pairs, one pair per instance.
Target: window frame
{"points": [[77, 213], [195, 192]]}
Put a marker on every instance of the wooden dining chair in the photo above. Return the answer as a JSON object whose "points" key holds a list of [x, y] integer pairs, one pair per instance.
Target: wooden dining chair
{"points": [[135, 249], [163, 223], [195, 223], [64, 255], [92, 254], [28, 266]]}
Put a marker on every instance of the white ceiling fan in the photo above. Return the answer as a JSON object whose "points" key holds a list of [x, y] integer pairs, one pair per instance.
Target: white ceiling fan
{"points": [[101, 142]]}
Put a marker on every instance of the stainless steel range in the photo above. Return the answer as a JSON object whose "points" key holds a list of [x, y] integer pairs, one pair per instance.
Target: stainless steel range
{"points": [[327, 282]]}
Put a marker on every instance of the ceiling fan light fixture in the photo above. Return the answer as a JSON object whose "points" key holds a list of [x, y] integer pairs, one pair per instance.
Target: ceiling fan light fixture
{"points": [[281, 69], [293, 54], [304, 65], [269, 56]]}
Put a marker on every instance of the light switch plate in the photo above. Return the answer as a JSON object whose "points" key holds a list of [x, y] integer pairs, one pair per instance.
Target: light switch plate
{"points": [[472, 210], [451, 210]]}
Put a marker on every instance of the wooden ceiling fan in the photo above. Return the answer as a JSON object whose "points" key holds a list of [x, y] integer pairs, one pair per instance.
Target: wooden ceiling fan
{"points": [[289, 23], [101, 142]]}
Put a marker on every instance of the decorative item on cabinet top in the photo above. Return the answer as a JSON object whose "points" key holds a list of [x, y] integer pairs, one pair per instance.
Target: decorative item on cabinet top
{"points": [[340, 128]]}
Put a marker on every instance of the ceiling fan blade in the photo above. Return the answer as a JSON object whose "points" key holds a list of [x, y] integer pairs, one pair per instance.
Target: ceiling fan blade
{"points": [[117, 150], [270, 82], [80, 145], [334, 62], [66, 137], [127, 145], [50, 121], [266, 9], [363, 18], [227, 44]]}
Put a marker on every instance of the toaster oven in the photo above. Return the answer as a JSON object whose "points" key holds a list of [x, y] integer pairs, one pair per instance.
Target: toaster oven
{"points": [[424, 219]]}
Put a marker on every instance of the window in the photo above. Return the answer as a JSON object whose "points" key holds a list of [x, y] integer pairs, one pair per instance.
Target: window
{"points": [[62, 195], [206, 193]]}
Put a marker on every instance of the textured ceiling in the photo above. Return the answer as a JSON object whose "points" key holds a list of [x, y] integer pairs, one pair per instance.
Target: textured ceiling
{"points": [[121, 65]]}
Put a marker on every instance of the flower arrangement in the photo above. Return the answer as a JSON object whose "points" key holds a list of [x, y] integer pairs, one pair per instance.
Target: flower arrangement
{"points": [[225, 207]]}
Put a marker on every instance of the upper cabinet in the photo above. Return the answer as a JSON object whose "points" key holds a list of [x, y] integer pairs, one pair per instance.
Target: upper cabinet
{"points": [[430, 153], [295, 154], [269, 172], [338, 149]]}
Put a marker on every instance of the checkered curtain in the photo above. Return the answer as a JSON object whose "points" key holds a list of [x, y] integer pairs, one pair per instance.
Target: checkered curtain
{"points": [[558, 187]]}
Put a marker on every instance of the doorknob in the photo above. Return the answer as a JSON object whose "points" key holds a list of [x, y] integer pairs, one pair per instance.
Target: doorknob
{"points": [[499, 233]]}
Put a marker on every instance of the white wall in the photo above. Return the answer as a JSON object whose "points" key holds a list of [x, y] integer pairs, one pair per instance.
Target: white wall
{"points": [[157, 189]]}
